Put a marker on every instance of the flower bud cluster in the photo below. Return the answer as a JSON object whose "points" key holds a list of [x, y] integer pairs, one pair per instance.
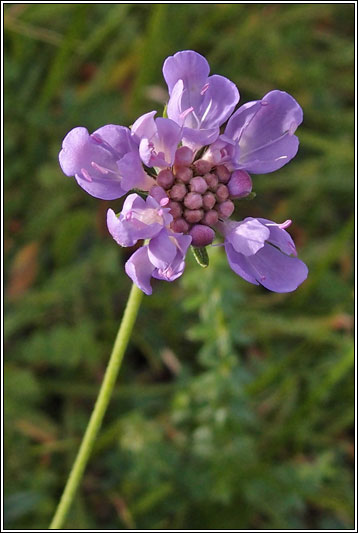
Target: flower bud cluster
{"points": [[199, 195]]}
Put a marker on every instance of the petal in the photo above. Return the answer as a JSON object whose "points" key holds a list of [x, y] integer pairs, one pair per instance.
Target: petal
{"points": [[75, 148], [162, 250], [195, 139], [132, 172], [219, 101], [108, 188], [239, 264], [271, 157], [279, 237], [169, 136], [120, 231], [174, 107], [264, 131], [248, 237], [276, 271], [188, 66], [144, 126], [140, 269], [117, 137]]}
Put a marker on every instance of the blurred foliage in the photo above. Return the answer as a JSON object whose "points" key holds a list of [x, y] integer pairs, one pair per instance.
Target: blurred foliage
{"points": [[234, 408]]}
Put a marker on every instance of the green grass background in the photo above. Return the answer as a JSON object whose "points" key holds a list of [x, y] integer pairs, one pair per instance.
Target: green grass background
{"points": [[234, 407]]}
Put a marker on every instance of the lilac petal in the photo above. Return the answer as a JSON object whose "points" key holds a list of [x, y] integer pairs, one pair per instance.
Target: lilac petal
{"points": [[239, 264], [169, 136], [264, 132], [183, 242], [117, 137], [175, 107], [272, 157], [188, 66], [277, 271], [219, 101], [105, 190], [133, 174], [73, 145], [144, 126], [195, 139], [248, 237], [175, 269], [162, 250], [120, 232], [140, 269], [279, 237], [240, 120]]}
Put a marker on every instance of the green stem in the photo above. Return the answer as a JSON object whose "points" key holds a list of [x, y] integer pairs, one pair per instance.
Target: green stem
{"points": [[120, 345]]}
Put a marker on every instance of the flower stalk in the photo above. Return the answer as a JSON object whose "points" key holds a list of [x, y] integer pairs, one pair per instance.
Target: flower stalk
{"points": [[114, 364]]}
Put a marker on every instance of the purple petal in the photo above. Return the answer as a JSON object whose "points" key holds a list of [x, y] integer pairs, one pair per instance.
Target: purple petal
{"points": [[133, 174], [276, 271], [188, 66], [144, 126], [219, 101], [279, 237], [162, 250], [197, 138], [264, 132], [247, 237], [140, 269], [169, 136], [117, 137], [239, 264]]}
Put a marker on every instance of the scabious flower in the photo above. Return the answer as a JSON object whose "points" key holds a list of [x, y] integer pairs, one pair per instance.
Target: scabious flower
{"points": [[191, 175]]}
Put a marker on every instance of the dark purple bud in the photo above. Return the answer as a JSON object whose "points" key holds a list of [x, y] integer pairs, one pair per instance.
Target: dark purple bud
{"points": [[225, 209], [193, 215], [180, 225], [183, 174], [183, 156], [222, 193], [223, 173], [198, 184], [165, 178], [201, 235], [177, 192], [193, 200], [240, 184], [210, 218], [209, 200], [201, 166], [212, 181], [175, 209]]}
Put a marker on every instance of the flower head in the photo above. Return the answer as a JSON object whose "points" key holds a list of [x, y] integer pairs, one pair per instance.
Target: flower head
{"points": [[196, 177]]}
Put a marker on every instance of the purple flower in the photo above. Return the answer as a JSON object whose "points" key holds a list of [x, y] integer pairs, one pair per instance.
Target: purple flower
{"points": [[198, 102], [139, 219], [105, 164], [158, 140], [259, 251], [198, 175], [163, 258], [259, 137]]}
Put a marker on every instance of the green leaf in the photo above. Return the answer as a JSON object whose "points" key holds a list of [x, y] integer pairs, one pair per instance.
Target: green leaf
{"points": [[201, 256]]}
